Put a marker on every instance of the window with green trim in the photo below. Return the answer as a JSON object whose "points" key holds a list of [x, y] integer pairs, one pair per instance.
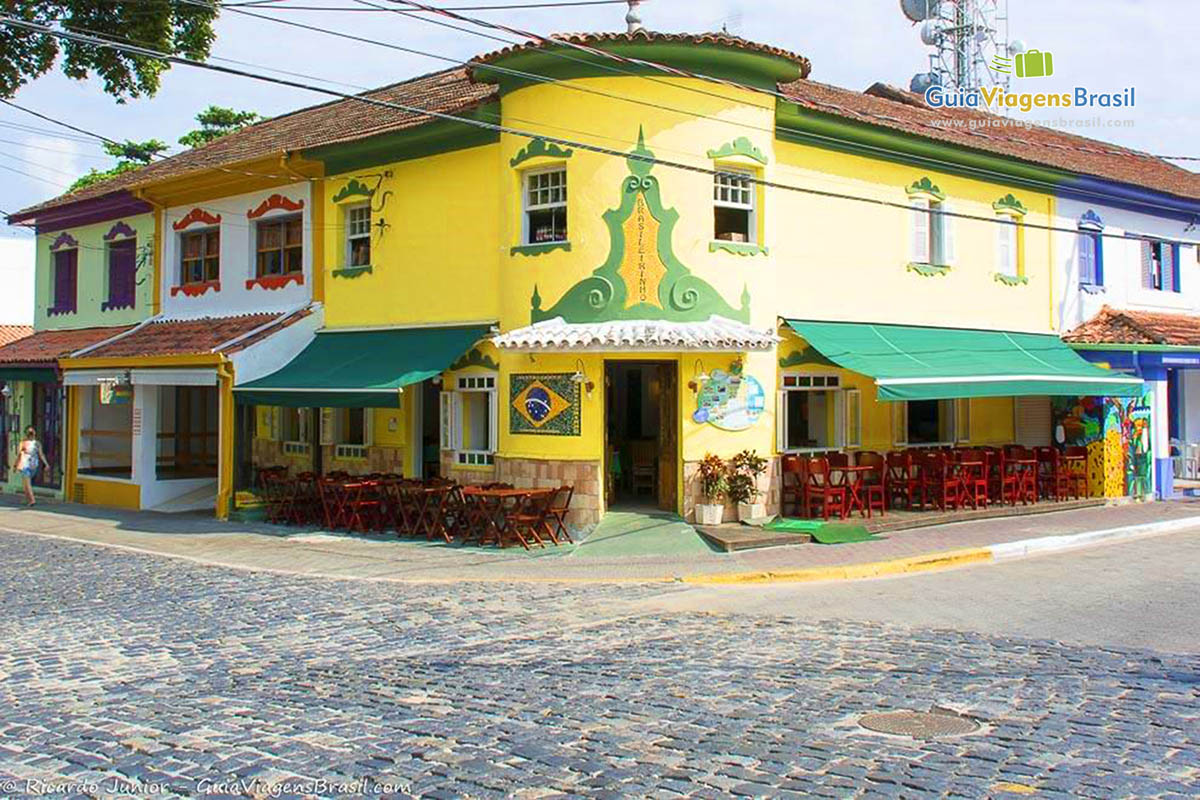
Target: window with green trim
{"points": [[735, 216], [358, 235], [545, 200]]}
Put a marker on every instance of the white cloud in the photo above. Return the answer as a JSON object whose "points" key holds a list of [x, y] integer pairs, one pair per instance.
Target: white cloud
{"points": [[16, 278]]}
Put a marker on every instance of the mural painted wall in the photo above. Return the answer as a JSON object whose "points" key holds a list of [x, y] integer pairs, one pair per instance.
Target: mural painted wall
{"points": [[1117, 435]]}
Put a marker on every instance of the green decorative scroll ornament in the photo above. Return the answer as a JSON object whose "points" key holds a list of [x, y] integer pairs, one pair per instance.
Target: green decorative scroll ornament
{"points": [[538, 249], [808, 356], [474, 358], [926, 186], [354, 188], [740, 146], [1010, 280], [928, 270], [642, 278], [539, 148], [1009, 205], [352, 272], [738, 248]]}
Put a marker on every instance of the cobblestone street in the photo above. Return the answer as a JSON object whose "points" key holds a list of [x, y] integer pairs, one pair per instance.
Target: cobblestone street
{"points": [[223, 683]]}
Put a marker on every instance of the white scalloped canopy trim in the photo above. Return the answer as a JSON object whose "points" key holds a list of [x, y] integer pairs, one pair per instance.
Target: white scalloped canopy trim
{"points": [[716, 334]]}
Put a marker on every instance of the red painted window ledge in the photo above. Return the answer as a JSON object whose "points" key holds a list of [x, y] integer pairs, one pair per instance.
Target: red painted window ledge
{"points": [[273, 282]]}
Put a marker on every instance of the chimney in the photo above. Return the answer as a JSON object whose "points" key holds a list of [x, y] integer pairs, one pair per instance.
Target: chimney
{"points": [[633, 19]]}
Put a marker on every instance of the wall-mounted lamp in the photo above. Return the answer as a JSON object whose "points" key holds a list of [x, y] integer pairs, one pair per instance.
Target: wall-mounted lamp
{"points": [[436, 380], [580, 377], [699, 376]]}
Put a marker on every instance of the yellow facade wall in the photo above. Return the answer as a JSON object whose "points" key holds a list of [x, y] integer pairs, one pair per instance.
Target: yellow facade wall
{"points": [[435, 260], [109, 493]]}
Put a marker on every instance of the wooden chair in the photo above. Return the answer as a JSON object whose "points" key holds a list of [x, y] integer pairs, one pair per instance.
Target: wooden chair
{"points": [[643, 468], [1051, 482], [791, 483], [556, 519], [938, 483], [819, 491], [874, 482], [902, 483], [529, 518], [973, 476], [1075, 472]]}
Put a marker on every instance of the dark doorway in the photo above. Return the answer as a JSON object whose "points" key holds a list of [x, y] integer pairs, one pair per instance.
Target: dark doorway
{"points": [[48, 421], [429, 435], [641, 429]]}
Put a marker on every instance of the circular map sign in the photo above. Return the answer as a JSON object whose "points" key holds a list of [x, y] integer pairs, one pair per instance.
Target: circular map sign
{"points": [[730, 401]]}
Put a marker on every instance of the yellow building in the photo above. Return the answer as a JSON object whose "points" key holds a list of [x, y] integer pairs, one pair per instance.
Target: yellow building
{"points": [[591, 272]]}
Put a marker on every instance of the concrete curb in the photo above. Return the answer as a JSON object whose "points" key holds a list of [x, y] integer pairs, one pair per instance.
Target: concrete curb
{"points": [[950, 559]]}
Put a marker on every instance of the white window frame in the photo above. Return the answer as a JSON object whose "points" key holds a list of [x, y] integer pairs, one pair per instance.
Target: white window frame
{"points": [[352, 237], [469, 384], [1008, 243], [527, 179], [813, 382], [931, 232], [301, 445], [750, 189], [331, 434]]}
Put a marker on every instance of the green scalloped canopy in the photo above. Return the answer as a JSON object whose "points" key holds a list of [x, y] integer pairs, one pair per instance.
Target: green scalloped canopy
{"points": [[642, 278]]}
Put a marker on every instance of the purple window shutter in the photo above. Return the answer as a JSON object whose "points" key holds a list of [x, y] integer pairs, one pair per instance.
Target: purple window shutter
{"points": [[122, 268], [65, 267]]}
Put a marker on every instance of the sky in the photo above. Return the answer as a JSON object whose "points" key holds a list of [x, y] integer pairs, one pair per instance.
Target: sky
{"points": [[851, 43]]}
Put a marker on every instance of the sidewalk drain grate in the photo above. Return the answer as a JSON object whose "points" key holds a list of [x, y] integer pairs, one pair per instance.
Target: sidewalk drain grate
{"points": [[932, 724]]}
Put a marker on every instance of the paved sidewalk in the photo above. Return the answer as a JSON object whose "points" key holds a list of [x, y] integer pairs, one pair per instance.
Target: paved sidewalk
{"points": [[273, 548]]}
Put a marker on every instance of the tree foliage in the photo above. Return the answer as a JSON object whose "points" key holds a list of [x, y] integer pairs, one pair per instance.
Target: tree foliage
{"points": [[215, 122], [170, 26], [129, 155]]}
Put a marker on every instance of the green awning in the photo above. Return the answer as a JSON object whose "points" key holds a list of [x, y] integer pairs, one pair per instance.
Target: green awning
{"points": [[915, 363], [361, 369], [11, 373]]}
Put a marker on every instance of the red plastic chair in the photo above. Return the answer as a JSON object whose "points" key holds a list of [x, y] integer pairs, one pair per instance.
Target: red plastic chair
{"points": [[939, 484], [820, 491], [874, 483]]}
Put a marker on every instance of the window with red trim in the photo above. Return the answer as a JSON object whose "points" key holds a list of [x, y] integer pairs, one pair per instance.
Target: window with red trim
{"points": [[201, 256], [280, 246]]}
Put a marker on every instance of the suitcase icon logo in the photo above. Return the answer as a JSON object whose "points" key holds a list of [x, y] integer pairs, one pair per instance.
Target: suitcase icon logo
{"points": [[1035, 64]]}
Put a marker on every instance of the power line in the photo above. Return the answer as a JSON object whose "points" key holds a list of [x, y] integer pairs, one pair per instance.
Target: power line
{"points": [[500, 128], [276, 5], [60, 186], [64, 151], [40, 115], [38, 165]]}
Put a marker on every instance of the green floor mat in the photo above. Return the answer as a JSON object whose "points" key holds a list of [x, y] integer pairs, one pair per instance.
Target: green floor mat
{"points": [[823, 532], [624, 533]]}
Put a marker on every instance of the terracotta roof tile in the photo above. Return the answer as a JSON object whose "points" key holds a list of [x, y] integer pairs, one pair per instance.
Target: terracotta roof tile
{"points": [[1113, 326], [10, 333], [453, 91], [645, 36], [180, 337], [904, 111], [46, 347], [329, 123]]}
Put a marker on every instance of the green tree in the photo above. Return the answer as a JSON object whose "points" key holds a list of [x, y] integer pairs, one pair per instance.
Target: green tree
{"points": [[129, 154], [177, 27], [215, 122]]}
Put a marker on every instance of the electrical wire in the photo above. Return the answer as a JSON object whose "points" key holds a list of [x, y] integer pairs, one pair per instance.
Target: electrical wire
{"points": [[506, 129], [275, 4]]}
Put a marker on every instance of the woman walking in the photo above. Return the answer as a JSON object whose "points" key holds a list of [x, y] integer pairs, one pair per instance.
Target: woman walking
{"points": [[29, 460]]}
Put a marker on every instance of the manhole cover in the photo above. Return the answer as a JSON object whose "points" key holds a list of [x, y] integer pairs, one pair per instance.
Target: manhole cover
{"points": [[919, 724]]}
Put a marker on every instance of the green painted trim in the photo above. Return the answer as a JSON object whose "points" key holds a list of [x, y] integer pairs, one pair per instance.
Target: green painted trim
{"points": [[1126, 347], [806, 356], [432, 138], [1010, 280], [475, 358], [1010, 204], [741, 146], [353, 188], [539, 148], [928, 270], [761, 70], [805, 126], [353, 272], [925, 186], [603, 296], [738, 248], [538, 249]]}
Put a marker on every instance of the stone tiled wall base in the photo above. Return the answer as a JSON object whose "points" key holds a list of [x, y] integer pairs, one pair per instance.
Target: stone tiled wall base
{"points": [[539, 474], [768, 483], [268, 453], [466, 475]]}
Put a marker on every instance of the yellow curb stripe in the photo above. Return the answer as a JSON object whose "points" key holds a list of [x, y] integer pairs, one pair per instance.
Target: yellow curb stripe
{"points": [[849, 572]]}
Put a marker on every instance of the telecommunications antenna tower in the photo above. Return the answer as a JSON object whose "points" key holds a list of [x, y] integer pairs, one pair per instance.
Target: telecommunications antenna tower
{"points": [[969, 43]]}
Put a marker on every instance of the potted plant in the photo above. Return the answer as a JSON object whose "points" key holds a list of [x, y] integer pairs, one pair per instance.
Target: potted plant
{"points": [[713, 485], [744, 471]]}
